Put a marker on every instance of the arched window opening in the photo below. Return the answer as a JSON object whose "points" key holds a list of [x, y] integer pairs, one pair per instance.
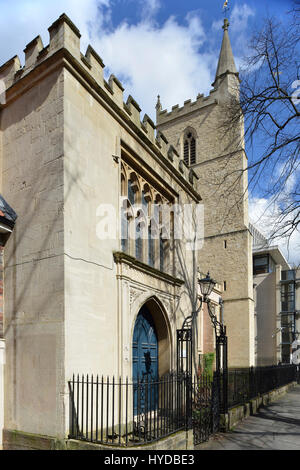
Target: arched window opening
{"points": [[139, 242], [186, 152], [124, 216], [189, 148], [151, 258], [131, 193], [145, 222], [125, 231], [193, 151], [161, 253]]}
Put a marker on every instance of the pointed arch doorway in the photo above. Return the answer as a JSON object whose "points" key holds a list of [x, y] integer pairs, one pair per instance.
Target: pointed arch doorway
{"points": [[145, 347], [151, 349]]}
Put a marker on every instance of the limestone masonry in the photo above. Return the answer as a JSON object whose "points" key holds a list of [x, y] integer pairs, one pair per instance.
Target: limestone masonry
{"points": [[68, 143]]}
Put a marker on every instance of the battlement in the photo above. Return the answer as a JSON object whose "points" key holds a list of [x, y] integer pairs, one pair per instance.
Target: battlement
{"points": [[65, 36], [188, 107]]}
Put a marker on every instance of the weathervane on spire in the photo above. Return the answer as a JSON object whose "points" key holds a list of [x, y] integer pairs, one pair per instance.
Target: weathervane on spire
{"points": [[226, 7]]}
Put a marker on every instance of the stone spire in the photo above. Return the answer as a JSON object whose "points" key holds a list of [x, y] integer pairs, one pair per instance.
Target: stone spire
{"points": [[226, 60], [158, 106]]}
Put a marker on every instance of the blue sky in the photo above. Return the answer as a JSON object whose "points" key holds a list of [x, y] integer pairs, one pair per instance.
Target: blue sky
{"points": [[166, 47]]}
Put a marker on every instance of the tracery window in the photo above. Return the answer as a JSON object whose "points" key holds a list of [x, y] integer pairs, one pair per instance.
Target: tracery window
{"points": [[141, 217]]}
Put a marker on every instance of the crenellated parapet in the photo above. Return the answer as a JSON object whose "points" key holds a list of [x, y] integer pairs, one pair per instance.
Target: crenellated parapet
{"points": [[65, 40], [189, 106], [9, 70]]}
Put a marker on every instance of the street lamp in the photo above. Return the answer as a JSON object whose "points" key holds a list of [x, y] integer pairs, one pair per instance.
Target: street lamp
{"points": [[185, 337], [206, 286]]}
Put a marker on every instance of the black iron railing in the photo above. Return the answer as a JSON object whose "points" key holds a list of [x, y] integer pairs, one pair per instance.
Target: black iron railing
{"points": [[122, 413], [205, 406], [248, 383]]}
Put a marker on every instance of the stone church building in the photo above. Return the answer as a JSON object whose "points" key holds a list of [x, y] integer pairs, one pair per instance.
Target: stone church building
{"points": [[77, 288]]}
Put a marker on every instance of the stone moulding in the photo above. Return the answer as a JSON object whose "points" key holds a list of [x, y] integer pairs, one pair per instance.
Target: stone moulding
{"points": [[121, 257], [17, 440]]}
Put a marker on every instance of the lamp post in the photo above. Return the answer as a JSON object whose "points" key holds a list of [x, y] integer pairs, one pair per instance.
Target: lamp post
{"points": [[185, 343], [207, 285]]}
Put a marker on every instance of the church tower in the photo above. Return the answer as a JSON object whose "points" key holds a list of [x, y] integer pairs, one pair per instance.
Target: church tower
{"points": [[211, 142]]}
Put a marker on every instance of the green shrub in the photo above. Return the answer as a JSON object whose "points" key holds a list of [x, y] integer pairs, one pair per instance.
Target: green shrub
{"points": [[207, 364]]}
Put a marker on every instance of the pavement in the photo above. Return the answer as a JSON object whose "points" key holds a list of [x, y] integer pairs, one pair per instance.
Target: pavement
{"points": [[274, 427]]}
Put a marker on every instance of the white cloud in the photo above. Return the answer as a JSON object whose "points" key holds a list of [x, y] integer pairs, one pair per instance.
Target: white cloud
{"points": [[149, 58], [20, 23], [239, 21], [152, 59], [150, 8], [240, 16]]}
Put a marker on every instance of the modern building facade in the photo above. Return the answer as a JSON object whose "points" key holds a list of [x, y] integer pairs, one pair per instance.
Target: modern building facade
{"points": [[96, 275], [290, 316], [276, 296]]}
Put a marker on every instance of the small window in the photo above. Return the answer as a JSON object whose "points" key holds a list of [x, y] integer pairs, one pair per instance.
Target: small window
{"points": [[186, 152], [150, 247], [261, 264], [125, 234], [189, 148], [225, 244], [131, 194], [139, 242], [193, 151], [225, 286], [164, 247]]}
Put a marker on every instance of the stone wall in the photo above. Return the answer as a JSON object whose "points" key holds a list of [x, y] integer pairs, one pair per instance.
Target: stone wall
{"points": [[221, 168], [239, 413], [14, 440], [32, 162]]}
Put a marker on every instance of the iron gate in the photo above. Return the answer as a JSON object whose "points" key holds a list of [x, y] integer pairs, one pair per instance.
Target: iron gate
{"points": [[205, 407]]}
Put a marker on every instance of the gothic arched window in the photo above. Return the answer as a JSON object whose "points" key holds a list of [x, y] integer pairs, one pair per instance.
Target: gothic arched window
{"points": [[124, 218], [189, 148]]}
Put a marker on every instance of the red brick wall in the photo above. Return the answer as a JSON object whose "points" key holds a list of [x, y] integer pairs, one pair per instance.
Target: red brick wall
{"points": [[208, 333]]}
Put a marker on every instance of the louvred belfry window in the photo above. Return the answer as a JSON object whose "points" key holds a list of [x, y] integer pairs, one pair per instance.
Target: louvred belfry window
{"points": [[189, 149], [186, 152], [193, 151]]}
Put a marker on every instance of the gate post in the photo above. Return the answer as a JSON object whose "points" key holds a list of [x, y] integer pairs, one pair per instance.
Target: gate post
{"points": [[189, 404], [225, 373], [184, 373], [184, 351]]}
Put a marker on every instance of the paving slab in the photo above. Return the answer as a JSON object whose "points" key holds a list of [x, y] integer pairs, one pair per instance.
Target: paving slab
{"points": [[274, 427]]}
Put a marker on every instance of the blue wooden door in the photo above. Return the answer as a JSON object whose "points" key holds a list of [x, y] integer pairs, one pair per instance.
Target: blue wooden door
{"points": [[145, 361]]}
